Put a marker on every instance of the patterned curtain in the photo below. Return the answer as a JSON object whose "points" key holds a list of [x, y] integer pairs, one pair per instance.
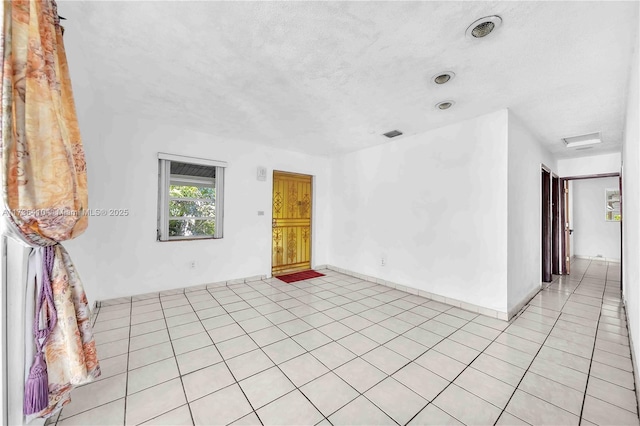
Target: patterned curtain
{"points": [[44, 183]]}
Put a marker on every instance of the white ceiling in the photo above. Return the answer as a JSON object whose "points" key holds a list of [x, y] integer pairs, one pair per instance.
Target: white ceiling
{"points": [[330, 77]]}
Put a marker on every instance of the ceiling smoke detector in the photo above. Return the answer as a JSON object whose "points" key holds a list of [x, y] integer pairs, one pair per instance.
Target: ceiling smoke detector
{"points": [[583, 140], [483, 26], [392, 134], [444, 105], [443, 77]]}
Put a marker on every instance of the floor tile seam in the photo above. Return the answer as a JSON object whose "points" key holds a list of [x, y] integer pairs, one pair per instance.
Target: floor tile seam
{"points": [[126, 382], [279, 369], [603, 349], [59, 419], [616, 405], [339, 321], [175, 359], [459, 374], [333, 370], [584, 397], [532, 360]]}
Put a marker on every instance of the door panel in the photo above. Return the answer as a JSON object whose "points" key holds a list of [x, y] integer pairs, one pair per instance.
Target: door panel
{"points": [[546, 226], [556, 220], [291, 243], [567, 230]]}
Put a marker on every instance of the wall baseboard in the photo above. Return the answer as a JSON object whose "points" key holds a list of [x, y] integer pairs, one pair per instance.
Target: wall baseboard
{"points": [[504, 316], [447, 300], [516, 309], [634, 359], [603, 259], [100, 303]]}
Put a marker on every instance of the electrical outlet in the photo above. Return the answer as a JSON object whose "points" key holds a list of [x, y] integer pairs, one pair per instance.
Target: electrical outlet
{"points": [[193, 264], [383, 260]]}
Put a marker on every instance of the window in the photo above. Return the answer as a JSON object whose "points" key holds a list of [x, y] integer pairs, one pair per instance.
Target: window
{"points": [[190, 201], [612, 205]]}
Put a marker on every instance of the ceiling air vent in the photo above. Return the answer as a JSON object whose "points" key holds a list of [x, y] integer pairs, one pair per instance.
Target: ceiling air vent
{"points": [[444, 105], [583, 140], [443, 77], [483, 26], [392, 134]]}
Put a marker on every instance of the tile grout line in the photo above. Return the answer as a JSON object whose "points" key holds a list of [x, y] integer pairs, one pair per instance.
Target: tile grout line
{"points": [[535, 356], [126, 381], [382, 344], [354, 314], [595, 340], [236, 382], [58, 419], [468, 365], [592, 360], [282, 372], [352, 286], [554, 326], [175, 358], [332, 340]]}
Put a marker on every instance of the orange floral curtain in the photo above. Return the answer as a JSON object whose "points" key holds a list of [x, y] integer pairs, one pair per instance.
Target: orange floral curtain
{"points": [[44, 182]]}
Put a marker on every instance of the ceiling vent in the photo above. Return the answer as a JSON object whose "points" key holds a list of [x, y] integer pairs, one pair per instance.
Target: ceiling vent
{"points": [[443, 77], [483, 26], [392, 134], [583, 140], [444, 105]]}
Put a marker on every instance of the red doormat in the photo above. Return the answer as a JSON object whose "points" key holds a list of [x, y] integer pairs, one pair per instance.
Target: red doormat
{"points": [[299, 276]]}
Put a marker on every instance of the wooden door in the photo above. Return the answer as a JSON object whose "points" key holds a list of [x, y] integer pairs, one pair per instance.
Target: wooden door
{"points": [[567, 229], [546, 226], [556, 220], [291, 245]]}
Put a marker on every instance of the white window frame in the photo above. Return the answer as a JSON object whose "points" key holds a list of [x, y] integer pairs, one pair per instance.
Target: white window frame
{"points": [[164, 182], [607, 191]]}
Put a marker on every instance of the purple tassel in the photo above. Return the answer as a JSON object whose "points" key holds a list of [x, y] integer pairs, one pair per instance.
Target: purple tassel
{"points": [[36, 390]]}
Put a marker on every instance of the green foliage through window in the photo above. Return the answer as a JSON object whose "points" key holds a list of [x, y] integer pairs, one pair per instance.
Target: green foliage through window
{"points": [[192, 211]]}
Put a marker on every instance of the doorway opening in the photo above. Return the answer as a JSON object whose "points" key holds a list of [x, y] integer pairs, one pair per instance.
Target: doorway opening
{"points": [[592, 206]]}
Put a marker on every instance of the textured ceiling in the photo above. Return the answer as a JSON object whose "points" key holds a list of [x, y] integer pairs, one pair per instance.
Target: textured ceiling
{"points": [[331, 77]]}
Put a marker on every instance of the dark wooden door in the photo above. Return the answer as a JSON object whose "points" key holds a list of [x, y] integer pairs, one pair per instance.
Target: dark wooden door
{"points": [[546, 226], [555, 225]]}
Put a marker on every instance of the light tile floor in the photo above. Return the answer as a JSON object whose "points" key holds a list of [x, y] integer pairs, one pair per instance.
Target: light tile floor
{"points": [[338, 350]]}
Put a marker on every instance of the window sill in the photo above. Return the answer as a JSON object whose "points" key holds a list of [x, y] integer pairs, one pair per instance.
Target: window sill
{"points": [[189, 239]]}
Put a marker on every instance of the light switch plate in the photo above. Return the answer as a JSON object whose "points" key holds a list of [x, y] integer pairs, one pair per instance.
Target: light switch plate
{"points": [[262, 173]]}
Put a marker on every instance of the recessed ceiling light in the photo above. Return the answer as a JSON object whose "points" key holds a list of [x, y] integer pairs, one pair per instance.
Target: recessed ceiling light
{"points": [[577, 141], [392, 134], [444, 105], [483, 26], [443, 77]]}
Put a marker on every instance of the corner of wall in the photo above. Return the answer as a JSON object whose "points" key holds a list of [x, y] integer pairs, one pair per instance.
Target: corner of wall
{"points": [[526, 154]]}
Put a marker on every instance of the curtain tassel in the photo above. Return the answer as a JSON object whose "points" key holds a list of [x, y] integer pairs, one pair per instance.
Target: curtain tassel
{"points": [[36, 391]]}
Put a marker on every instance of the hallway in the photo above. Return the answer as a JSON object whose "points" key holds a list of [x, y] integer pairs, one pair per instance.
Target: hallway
{"points": [[339, 350]]}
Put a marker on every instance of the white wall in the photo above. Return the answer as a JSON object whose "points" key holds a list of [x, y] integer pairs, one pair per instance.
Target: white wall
{"points": [[594, 165], [435, 205], [119, 256], [631, 208], [592, 234], [526, 155]]}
